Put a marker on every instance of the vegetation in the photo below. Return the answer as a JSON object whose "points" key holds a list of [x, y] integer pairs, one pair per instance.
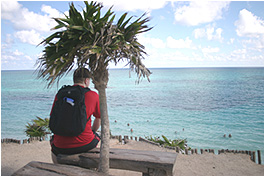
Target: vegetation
{"points": [[39, 128], [167, 142], [92, 40]]}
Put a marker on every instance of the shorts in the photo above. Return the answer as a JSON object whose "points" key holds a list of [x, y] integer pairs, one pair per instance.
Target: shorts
{"points": [[81, 149]]}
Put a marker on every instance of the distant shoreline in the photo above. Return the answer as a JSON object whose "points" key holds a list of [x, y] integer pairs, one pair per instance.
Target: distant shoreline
{"points": [[192, 67]]}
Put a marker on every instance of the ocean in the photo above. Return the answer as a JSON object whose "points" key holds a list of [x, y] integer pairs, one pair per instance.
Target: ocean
{"points": [[196, 104]]}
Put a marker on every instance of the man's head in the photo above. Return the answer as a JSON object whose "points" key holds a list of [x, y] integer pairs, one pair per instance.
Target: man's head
{"points": [[82, 77]]}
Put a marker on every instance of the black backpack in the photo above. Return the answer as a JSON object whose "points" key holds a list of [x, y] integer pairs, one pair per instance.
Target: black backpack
{"points": [[68, 117]]}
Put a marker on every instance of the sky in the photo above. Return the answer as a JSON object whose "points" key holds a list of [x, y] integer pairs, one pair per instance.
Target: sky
{"points": [[184, 34]]}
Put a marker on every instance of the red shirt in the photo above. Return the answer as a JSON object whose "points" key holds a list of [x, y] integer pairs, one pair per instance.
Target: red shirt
{"points": [[92, 108]]}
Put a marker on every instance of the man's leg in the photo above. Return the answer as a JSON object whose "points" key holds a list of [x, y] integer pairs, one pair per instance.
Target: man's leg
{"points": [[54, 158]]}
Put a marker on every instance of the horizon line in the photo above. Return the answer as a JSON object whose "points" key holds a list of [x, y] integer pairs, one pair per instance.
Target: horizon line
{"points": [[184, 67]]}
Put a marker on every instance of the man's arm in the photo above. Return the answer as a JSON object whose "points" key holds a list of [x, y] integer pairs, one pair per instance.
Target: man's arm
{"points": [[96, 124]]}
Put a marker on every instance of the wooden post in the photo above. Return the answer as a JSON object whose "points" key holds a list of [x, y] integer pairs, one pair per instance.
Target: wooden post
{"points": [[177, 149], [196, 151], [201, 151], [126, 139], [25, 141], [120, 139], [131, 137], [259, 157], [186, 151], [192, 151], [253, 156], [135, 138]]}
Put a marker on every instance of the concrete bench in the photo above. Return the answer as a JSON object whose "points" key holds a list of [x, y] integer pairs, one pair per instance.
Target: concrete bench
{"points": [[35, 168], [150, 163]]}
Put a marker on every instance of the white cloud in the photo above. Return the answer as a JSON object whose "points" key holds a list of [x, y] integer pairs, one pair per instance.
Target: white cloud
{"points": [[8, 8], [210, 50], [249, 25], [9, 39], [15, 59], [154, 42], [133, 5], [31, 37], [218, 34], [179, 43], [199, 12], [238, 55], [18, 53], [28, 58], [231, 41], [209, 32], [199, 33], [51, 11], [254, 44], [23, 19]]}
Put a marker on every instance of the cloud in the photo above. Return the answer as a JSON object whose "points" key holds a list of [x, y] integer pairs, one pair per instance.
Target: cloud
{"points": [[133, 5], [23, 19], [231, 41], [31, 37], [179, 43], [254, 44], [199, 12], [15, 59], [18, 53], [29, 24], [8, 8], [210, 50], [7, 43], [249, 25], [154, 42], [50, 11], [209, 32]]}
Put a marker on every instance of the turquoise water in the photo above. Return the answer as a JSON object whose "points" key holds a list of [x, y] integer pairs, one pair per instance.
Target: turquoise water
{"points": [[206, 102]]}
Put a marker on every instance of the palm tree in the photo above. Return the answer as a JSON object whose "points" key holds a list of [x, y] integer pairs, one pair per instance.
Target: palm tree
{"points": [[92, 40]]}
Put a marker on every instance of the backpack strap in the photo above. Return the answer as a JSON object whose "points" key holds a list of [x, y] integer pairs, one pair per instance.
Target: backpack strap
{"points": [[81, 88]]}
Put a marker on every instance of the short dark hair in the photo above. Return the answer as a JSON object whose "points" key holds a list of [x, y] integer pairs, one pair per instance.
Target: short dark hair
{"points": [[81, 74]]}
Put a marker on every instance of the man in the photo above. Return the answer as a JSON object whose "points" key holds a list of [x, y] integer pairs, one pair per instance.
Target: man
{"points": [[88, 139]]}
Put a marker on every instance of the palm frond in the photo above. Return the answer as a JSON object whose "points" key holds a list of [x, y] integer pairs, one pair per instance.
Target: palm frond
{"points": [[92, 40]]}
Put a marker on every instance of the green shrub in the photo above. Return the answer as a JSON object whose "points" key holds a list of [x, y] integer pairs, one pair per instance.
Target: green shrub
{"points": [[39, 127], [167, 142]]}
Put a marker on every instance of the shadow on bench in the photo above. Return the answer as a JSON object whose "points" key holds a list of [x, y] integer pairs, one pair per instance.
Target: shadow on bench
{"points": [[150, 163], [35, 168]]}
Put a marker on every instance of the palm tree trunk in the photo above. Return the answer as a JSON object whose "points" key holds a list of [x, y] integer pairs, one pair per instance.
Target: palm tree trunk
{"points": [[105, 133]]}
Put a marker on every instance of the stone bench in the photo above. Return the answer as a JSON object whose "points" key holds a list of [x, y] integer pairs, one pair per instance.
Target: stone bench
{"points": [[35, 168], [150, 163]]}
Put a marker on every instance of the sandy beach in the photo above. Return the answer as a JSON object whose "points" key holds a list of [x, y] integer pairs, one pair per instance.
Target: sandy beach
{"points": [[15, 156]]}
